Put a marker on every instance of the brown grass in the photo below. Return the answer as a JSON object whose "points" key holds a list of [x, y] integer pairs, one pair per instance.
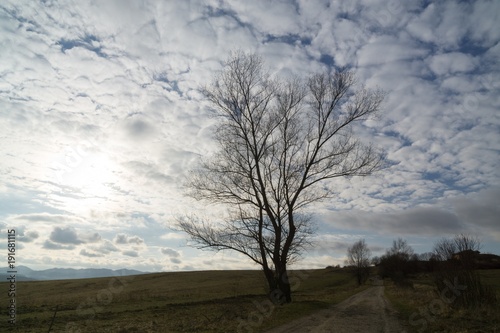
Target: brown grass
{"points": [[209, 301], [424, 309]]}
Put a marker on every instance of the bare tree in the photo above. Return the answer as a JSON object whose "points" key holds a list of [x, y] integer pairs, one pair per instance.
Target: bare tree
{"points": [[464, 242], [398, 261], [459, 258], [401, 249], [278, 141], [464, 246], [358, 256], [444, 249], [467, 249]]}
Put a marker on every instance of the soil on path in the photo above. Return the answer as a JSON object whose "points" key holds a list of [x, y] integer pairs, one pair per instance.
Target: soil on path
{"points": [[368, 311]]}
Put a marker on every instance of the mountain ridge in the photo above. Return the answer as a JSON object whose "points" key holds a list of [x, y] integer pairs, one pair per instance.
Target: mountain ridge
{"points": [[24, 273]]}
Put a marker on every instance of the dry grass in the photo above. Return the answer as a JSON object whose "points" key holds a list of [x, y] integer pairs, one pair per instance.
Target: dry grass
{"points": [[424, 309], [216, 301]]}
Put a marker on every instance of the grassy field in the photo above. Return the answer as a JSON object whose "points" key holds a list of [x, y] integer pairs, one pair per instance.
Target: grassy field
{"points": [[208, 301], [423, 309]]}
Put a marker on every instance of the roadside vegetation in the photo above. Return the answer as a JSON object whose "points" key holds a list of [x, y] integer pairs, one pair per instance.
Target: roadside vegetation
{"points": [[452, 291], [422, 308]]}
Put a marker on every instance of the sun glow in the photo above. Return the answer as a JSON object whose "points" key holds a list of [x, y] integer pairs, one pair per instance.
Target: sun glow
{"points": [[88, 176], [94, 176]]}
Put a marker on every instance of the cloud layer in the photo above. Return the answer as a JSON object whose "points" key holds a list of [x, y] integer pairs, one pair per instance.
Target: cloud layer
{"points": [[101, 117]]}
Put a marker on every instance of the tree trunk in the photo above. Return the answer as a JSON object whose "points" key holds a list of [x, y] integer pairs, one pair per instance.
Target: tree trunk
{"points": [[284, 286], [359, 275], [280, 291], [271, 281]]}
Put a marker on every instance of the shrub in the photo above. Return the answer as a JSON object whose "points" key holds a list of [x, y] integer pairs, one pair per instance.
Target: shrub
{"points": [[469, 291]]}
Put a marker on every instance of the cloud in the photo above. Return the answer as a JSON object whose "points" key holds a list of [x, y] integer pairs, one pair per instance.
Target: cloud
{"points": [[66, 235], [130, 253], [135, 240], [27, 236], [121, 239], [412, 221], [175, 260], [106, 247], [480, 209], [125, 239], [148, 172], [173, 235], [170, 252], [90, 237], [394, 49], [47, 217], [86, 253], [102, 114], [472, 213], [452, 63], [140, 127], [103, 248], [56, 246]]}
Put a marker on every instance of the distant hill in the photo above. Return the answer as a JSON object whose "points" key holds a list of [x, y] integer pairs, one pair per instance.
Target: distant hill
{"points": [[27, 274]]}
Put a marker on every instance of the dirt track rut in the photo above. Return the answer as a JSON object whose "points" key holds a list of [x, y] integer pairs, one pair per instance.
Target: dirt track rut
{"points": [[368, 311]]}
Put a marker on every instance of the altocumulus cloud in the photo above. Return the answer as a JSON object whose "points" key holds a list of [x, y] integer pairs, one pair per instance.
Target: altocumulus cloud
{"points": [[27, 236], [89, 254], [102, 117], [49, 245], [170, 252], [101, 249], [130, 253], [66, 235], [125, 239], [67, 238]]}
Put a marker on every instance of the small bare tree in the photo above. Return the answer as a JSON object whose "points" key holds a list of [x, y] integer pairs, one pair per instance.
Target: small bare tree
{"points": [[467, 249], [459, 257], [444, 249], [464, 242], [398, 261], [401, 249], [358, 257], [464, 246], [278, 141]]}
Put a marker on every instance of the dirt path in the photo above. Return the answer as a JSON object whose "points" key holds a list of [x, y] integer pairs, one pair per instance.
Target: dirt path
{"points": [[368, 311]]}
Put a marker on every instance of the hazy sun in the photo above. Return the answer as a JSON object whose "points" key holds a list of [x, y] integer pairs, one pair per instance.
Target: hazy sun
{"points": [[90, 174]]}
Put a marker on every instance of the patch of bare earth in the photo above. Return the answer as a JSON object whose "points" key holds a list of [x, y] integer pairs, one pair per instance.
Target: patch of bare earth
{"points": [[368, 311]]}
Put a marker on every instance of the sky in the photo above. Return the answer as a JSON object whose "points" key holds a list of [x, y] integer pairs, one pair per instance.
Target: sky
{"points": [[101, 118]]}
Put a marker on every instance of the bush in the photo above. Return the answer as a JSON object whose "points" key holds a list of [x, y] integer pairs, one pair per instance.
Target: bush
{"points": [[396, 266], [468, 289]]}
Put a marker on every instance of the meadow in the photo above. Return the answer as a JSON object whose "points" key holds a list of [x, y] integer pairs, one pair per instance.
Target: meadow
{"points": [[222, 301], [205, 301]]}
